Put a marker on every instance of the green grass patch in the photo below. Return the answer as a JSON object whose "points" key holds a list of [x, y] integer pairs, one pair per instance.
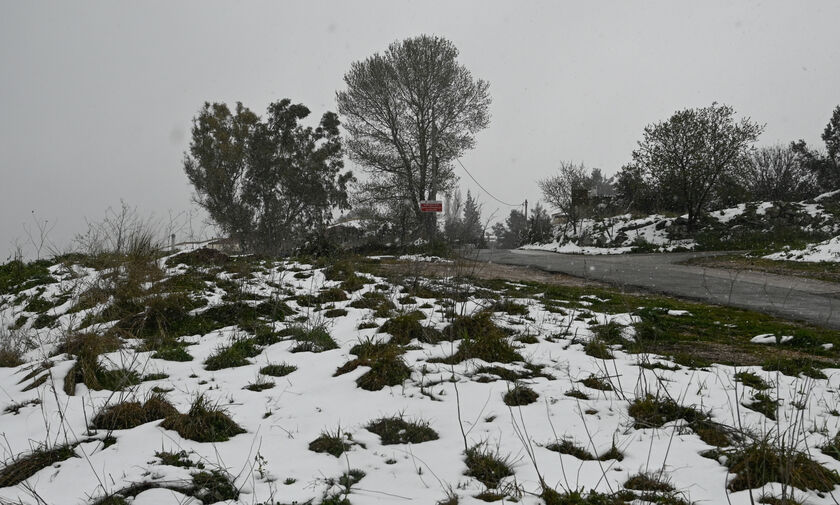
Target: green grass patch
{"points": [[233, 355], [278, 369], [487, 466], [204, 422], [397, 430], [311, 338], [654, 412], [752, 380]]}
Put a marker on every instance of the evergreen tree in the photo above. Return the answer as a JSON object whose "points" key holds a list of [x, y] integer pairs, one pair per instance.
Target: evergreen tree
{"points": [[539, 226], [267, 183], [473, 231]]}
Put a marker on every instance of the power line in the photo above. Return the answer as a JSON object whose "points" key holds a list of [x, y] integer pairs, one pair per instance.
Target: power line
{"points": [[482, 187]]}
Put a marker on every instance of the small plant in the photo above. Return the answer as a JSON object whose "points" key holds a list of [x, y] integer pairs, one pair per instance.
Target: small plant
{"points": [[486, 466], [405, 328], [203, 423], [311, 339], [648, 482], [763, 404], [598, 349], [652, 412], [334, 444], [570, 447], [520, 395], [127, 415], [752, 380], [260, 384], [387, 367], [397, 430], [278, 370], [763, 461], [28, 465], [598, 383], [180, 459], [577, 393], [480, 339], [233, 355], [796, 366], [173, 353]]}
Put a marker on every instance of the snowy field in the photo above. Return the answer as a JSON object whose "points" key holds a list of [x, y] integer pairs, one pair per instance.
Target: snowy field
{"points": [[515, 399]]}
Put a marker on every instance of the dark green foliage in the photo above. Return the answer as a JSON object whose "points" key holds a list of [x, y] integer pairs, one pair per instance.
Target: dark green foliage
{"points": [[331, 443], [180, 459], [203, 423], [25, 466], [520, 395], [332, 313], [278, 370], [233, 355], [267, 183], [173, 353], [653, 412], [598, 349], [570, 447], [509, 307], [486, 466], [762, 462], [397, 430], [648, 482], [127, 415], [260, 385], [17, 276], [213, 486], [387, 367], [407, 327], [311, 339], [832, 447], [480, 339], [796, 366], [596, 383], [610, 333], [576, 393], [203, 257], [764, 404]]}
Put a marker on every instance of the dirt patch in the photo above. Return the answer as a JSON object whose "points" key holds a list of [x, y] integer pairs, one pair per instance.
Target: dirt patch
{"points": [[489, 271]]}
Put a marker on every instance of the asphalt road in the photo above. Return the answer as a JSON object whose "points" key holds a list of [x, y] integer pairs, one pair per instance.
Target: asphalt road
{"points": [[812, 301]]}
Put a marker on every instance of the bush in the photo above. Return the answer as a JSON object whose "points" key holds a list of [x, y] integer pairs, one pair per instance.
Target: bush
{"points": [[520, 395], [127, 415], [203, 423], [396, 430], [486, 466], [233, 355]]}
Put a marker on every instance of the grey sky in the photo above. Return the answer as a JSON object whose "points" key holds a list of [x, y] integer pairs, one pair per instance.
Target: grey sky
{"points": [[96, 98]]}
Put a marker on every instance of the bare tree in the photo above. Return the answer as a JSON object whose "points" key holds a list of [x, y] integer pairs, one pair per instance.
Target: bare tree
{"points": [[410, 113], [561, 190], [776, 173], [687, 154]]}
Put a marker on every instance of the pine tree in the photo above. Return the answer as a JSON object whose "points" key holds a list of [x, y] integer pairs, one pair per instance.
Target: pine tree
{"points": [[473, 231]]}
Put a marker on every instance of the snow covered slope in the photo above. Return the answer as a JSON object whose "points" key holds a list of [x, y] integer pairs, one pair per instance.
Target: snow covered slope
{"points": [[347, 386]]}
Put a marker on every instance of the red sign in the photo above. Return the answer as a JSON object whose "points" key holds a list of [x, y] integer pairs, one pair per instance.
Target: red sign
{"points": [[431, 206]]}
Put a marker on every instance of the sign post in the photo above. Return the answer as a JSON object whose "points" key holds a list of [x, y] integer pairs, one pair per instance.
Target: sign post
{"points": [[431, 206]]}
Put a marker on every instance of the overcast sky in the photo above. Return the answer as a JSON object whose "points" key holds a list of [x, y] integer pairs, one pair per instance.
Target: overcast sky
{"points": [[96, 98]]}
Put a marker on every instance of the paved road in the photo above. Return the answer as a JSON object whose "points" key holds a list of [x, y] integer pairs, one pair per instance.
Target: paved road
{"points": [[807, 300]]}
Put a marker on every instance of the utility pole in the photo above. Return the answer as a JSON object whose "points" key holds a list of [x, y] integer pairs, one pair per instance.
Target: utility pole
{"points": [[526, 210]]}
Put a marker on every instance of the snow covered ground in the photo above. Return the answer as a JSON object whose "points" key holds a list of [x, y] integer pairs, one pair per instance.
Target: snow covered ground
{"points": [[828, 250], [271, 461], [624, 233]]}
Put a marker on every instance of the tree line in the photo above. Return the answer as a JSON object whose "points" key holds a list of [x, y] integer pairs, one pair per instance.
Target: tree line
{"points": [[274, 184]]}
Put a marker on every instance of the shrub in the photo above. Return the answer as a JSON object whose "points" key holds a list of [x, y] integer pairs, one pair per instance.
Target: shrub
{"points": [[761, 462], [127, 415], [278, 370], [396, 430], [311, 339], [407, 327], [653, 412], [331, 443], [233, 355], [520, 395], [486, 466], [203, 423], [481, 339], [23, 467]]}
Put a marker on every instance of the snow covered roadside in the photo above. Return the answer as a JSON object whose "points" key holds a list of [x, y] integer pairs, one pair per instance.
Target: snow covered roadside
{"points": [[579, 398], [828, 250]]}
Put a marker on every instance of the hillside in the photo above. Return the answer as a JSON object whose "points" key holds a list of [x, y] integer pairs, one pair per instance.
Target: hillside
{"points": [[755, 225], [201, 378]]}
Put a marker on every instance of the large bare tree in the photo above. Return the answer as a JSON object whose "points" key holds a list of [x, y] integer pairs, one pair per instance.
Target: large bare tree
{"points": [[410, 112]]}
